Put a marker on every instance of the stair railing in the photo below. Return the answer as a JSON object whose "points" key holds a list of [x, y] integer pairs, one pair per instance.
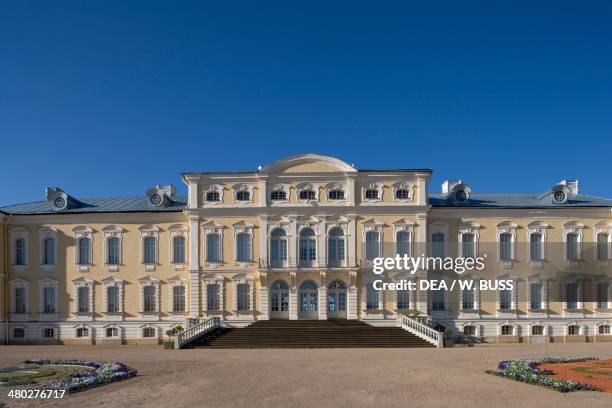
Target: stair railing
{"points": [[421, 330], [197, 330]]}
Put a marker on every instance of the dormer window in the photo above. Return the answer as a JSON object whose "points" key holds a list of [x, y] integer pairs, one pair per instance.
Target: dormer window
{"points": [[371, 194], [336, 195], [278, 195], [307, 195], [460, 195], [156, 199], [243, 196], [560, 197], [213, 196], [161, 195]]}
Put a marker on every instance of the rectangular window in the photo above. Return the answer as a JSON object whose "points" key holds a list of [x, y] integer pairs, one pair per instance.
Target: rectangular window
{"points": [[49, 300], [602, 295], [535, 245], [372, 245], [468, 244], [372, 301], [20, 251], [437, 300], [212, 297], [468, 300], [505, 300], [112, 299], [84, 248], [403, 299], [48, 251], [20, 300], [114, 251], [437, 245], [505, 246], [244, 296], [178, 250], [243, 243], [573, 247], [213, 250], [603, 247], [149, 250], [571, 296], [535, 303], [402, 245], [178, 298], [149, 299], [83, 299]]}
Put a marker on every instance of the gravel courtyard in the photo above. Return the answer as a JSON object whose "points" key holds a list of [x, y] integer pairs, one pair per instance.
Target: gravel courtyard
{"points": [[370, 378]]}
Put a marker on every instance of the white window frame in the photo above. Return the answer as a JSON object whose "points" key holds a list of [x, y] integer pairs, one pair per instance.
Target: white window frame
{"points": [[213, 280], [372, 225], [335, 263], [276, 188], [278, 263], [176, 282], [243, 279], [42, 285], [218, 188], [149, 231], [335, 186], [537, 227], [243, 187], [149, 281], [603, 323], [438, 228], [178, 230], [84, 327], [14, 235], [114, 282], [404, 226], [602, 227], [79, 283], [596, 282], [149, 326], [213, 227], [112, 231], [83, 232], [543, 294], [579, 294], [44, 234], [404, 185], [506, 323], [25, 285], [375, 185], [111, 327], [304, 187], [243, 227], [468, 228], [507, 227], [576, 228]]}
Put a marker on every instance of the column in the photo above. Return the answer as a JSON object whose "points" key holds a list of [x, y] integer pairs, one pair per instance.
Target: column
{"points": [[322, 296], [352, 239], [421, 246], [194, 265], [264, 310], [263, 241], [293, 297], [322, 258], [292, 242], [352, 307]]}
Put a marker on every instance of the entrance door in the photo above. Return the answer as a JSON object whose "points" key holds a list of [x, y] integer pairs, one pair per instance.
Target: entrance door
{"points": [[336, 300], [279, 300], [308, 300]]}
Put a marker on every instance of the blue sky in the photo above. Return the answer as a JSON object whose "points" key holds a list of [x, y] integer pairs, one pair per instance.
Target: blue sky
{"points": [[110, 98]]}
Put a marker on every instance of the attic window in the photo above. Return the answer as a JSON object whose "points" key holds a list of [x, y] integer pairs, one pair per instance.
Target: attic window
{"points": [[560, 197], [371, 194], [460, 195], [156, 199], [59, 202], [213, 196], [336, 195], [307, 195], [243, 196], [278, 195], [402, 194]]}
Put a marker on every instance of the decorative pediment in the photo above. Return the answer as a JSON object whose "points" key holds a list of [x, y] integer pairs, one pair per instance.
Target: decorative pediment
{"points": [[308, 163]]}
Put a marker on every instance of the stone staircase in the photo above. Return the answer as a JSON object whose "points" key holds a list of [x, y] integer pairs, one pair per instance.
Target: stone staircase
{"points": [[308, 334]]}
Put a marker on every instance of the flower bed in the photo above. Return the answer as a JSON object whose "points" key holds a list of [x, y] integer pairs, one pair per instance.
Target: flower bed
{"points": [[102, 372], [528, 372]]}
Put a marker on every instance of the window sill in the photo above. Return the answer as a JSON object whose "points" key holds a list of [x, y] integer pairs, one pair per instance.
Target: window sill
{"points": [[178, 266], [47, 267], [149, 267], [213, 264], [83, 268], [112, 267], [537, 264], [18, 268]]}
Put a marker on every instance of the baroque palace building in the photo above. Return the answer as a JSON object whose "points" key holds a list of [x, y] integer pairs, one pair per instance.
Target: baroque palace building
{"points": [[296, 240]]}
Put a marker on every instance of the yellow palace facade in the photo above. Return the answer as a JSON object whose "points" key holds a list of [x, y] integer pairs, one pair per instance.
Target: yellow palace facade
{"points": [[296, 240]]}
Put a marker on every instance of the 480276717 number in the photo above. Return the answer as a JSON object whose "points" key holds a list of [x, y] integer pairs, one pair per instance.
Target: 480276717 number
{"points": [[35, 394]]}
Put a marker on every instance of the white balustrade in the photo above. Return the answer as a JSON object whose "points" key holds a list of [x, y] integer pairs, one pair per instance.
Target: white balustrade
{"points": [[421, 330], [197, 330]]}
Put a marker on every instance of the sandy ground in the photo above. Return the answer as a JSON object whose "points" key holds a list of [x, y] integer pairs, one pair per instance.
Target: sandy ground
{"points": [[370, 378]]}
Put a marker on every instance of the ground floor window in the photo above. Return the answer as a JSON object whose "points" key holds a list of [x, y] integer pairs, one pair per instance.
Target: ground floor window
{"points": [[148, 332], [507, 330], [49, 333], [82, 332], [403, 299], [372, 298], [537, 330], [18, 333], [244, 296], [604, 329], [112, 332], [573, 330], [437, 300], [469, 330], [212, 297]]}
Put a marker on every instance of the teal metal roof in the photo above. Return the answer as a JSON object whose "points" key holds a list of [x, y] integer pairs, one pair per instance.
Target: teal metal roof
{"points": [[97, 205]]}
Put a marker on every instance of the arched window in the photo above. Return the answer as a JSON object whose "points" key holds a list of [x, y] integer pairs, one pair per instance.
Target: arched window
{"points": [[243, 247], [402, 243], [308, 246], [336, 195], [372, 245], [82, 332], [402, 194], [537, 330], [335, 246], [278, 246], [308, 298], [243, 196], [178, 250], [278, 195], [507, 330], [213, 248], [604, 329], [437, 245], [149, 250], [112, 332], [84, 251], [213, 196], [307, 195], [148, 332], [113, 251], [279, 298], [371, 194], [535, 246], [505, 246], [573, 330]]}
